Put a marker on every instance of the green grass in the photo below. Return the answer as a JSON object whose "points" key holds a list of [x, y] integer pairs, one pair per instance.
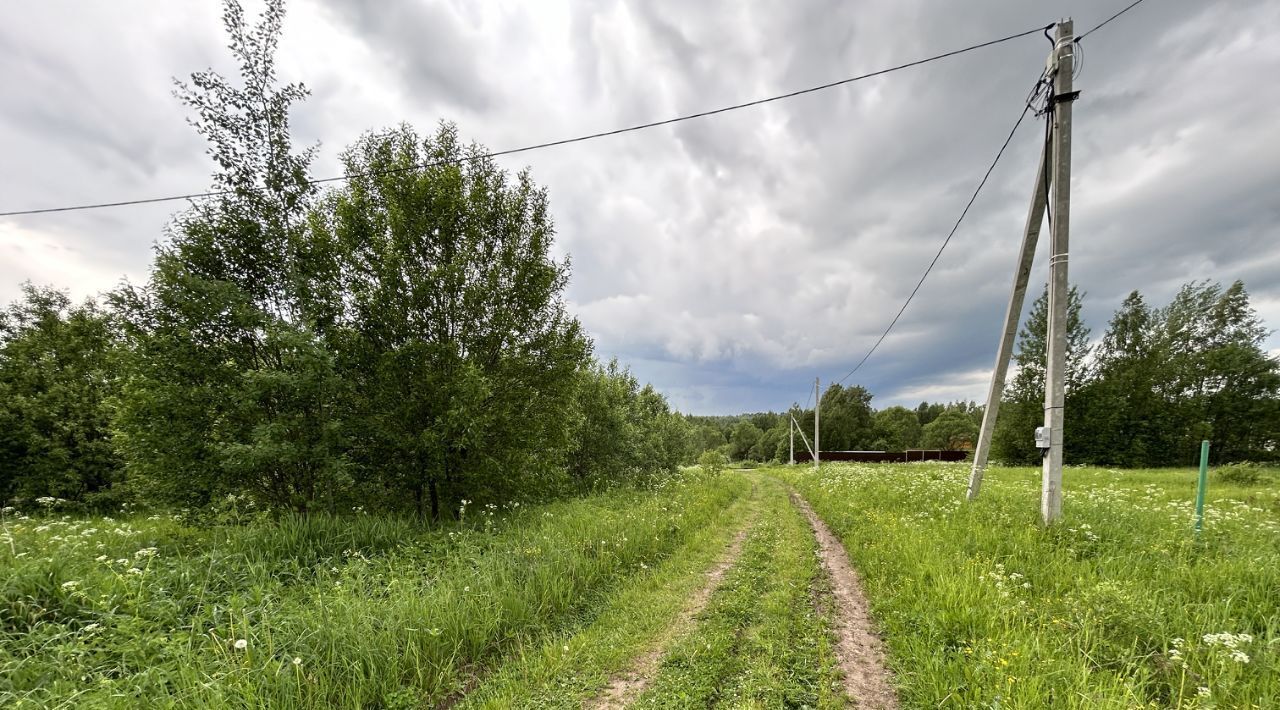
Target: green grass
{"points": [[378, 613], [568, 669], [1117, 606], [760, 642]]}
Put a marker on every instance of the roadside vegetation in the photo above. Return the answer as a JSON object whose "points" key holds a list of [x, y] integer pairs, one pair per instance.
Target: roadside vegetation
{"points": [[1119, 606], [353, 611]]}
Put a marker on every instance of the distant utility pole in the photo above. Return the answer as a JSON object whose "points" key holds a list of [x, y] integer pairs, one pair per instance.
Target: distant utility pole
{"points": [[817, 409], [1055, 371], [791, 432], [1030, 236]]}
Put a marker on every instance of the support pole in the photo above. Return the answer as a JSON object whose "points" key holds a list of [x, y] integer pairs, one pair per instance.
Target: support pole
{"points": [[817, 408], [791, 433], [1202, 485], [1021, 274], [803, 438], [1056, 368]]}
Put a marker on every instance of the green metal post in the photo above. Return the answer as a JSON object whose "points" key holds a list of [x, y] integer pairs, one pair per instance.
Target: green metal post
{"points": [[1204, 482]]}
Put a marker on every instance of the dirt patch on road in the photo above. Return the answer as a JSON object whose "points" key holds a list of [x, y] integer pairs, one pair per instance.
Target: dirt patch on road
{"points": [[858, 647], [625, 687]]}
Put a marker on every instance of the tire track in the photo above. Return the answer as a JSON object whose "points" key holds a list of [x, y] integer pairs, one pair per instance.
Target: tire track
{"points": [[860, 652], [625, 687]]}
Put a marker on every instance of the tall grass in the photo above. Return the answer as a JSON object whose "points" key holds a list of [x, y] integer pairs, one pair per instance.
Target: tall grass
{"points": [[1119, 605], [356, 611]]}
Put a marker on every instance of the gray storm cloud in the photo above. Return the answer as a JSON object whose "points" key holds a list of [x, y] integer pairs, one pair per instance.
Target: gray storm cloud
{"points": [[731, 259]]}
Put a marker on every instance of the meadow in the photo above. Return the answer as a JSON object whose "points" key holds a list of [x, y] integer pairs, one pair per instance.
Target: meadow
{"points": [[547, 605], [1119, 606], [322, 611]]}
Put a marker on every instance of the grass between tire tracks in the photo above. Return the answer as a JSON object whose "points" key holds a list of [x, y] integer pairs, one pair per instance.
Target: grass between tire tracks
{"points": [[761, 642], [1117, 606], [573, 667], [351, 611]]}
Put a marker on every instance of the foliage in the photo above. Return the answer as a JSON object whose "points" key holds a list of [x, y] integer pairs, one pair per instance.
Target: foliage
{"points": [[848, 422], [230, 386], [897, 429], [444, 306], [953, 429], [58, 364], [1022, 409], [1244, 473], [712, 463], [1162, 380]]}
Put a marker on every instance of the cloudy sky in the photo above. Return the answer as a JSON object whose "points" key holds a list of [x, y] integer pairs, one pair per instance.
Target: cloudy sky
{"points": [[732, 259]]}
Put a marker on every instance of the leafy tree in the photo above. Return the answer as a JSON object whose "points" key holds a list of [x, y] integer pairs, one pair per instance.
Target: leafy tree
{"points": [[927, 412], [1218, 382], [897, 429], [231, 387], [848, 421], [449, 312], [745, 436], [1022, 409], [953, 429], [58, 364]]}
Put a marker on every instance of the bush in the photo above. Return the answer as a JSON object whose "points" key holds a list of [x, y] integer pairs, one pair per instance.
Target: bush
{"points": [[1245, 473], [712, 462]]}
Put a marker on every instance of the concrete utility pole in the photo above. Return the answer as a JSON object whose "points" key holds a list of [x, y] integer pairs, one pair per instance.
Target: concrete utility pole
{"points": [[817, 408], [803, 438], [1027, 255], [1055, 372], [791, 432]]}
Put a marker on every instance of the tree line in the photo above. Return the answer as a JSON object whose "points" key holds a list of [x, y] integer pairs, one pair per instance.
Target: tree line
{"points": [[849, 423], [399, 340], [1158, 382]]}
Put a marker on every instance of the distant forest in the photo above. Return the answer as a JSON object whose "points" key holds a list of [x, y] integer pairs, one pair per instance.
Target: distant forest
{"points": [[1158, 382]]}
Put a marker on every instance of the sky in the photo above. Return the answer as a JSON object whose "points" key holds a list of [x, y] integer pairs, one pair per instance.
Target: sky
{"points": [[732, 259]]}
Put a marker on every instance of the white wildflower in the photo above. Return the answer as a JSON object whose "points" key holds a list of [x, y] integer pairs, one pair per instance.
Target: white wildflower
{"points": [[241, 644], [1239, 656], [72, 584], [297, 661]]}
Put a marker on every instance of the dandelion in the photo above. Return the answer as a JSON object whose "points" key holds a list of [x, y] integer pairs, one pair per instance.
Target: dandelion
{"points": [[241, 644]]}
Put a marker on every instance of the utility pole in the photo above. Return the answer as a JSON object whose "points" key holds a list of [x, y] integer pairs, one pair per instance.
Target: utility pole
{"points": [[791, 432], [817, 409], [1055, 372], [1026, 256]]}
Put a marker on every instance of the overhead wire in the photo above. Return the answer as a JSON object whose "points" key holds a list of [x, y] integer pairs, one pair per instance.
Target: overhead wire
{"points": [[549, 144], [1105, 22], [954, 228], [1041, 93]]}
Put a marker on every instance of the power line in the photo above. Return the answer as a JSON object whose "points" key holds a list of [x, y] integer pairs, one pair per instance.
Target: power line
{"points": [[1109, 19], [552, 144], [1025, 110]]}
